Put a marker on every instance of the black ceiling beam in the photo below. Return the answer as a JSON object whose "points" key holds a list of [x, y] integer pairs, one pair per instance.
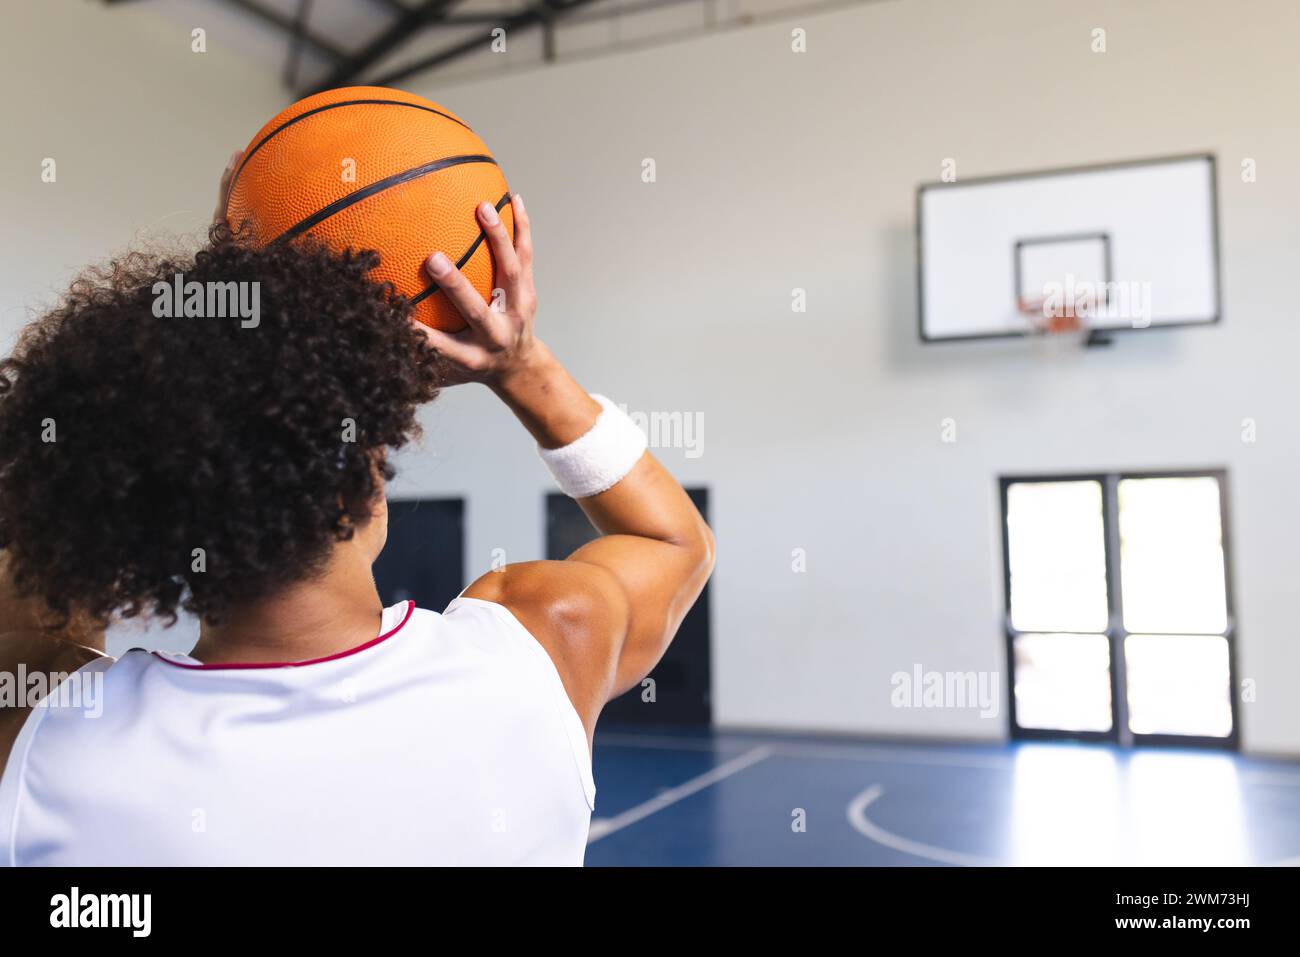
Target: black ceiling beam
{"points": [[533, 16], [626, 9], [296, 44], [549, 11], [474, 19], [402, 29], [287, 24]]}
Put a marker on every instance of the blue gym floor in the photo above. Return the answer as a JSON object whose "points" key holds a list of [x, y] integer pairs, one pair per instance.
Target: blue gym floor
{"points": [[701, 798]]}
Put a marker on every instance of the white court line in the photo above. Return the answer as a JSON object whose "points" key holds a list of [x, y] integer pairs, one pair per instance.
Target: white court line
{"points": [[603, 827], [846, 752], [856, 810], [857, 815]]}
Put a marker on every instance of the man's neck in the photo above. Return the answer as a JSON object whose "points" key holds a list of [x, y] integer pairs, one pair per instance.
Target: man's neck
{"points": [[333, 612]]}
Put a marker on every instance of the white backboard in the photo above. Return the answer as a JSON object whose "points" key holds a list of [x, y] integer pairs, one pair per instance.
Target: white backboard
{"points": [[1142, 236]]}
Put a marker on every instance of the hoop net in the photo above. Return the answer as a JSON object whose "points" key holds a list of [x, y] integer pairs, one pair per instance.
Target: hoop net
{"points": [[1054, 324]]}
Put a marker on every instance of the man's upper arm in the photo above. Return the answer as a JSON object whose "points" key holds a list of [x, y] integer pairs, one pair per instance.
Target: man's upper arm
{"points": [[35, 653], [578, 612]]}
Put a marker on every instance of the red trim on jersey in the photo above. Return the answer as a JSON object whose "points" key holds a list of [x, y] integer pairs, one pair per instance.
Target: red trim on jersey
{"points": [[198, 666]]}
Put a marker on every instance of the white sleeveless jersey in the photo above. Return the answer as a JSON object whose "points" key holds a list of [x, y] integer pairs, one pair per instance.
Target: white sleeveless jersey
{"points": [[447, 740]]}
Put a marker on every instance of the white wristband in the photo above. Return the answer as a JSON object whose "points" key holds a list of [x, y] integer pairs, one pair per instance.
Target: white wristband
{"points": [[599, 459]]}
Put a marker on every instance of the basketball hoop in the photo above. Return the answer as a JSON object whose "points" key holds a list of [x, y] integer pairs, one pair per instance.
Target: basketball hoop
{"points": [[1058, 319]]}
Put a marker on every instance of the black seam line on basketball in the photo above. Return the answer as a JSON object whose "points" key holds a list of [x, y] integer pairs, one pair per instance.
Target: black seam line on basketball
{"points": [[321, 109], [430, 289], [397, 179]]}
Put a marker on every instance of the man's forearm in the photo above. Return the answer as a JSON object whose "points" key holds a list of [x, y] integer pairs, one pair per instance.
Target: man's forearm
{"points": [[648, 502], [547, 400]]}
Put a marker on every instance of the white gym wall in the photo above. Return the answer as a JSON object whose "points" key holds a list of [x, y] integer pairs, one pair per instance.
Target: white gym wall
{"points": [[776, 171], [822, 430], [137, 154]]}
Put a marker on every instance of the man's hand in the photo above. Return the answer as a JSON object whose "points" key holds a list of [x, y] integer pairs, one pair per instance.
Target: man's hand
{"points": [[498, 348], [223, 190], [498, 340], [607, 613]]}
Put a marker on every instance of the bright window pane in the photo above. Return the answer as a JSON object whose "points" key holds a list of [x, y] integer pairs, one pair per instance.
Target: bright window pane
{"points": [[1178, 684], [1063, 682], [1057, 556], [1171, 555]]}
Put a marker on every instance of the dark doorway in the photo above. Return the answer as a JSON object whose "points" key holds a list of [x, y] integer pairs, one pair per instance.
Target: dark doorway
{"points": [[424, 559], [681, 679]]}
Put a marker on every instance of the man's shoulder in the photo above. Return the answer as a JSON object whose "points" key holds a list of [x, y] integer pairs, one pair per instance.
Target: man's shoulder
{"points": [[565, 600], [575, 610]]}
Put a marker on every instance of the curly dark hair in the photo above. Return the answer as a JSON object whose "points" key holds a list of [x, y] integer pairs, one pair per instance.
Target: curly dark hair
{"points": [[175, 434]]}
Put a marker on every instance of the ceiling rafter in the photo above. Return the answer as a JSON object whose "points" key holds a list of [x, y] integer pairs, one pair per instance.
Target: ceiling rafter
{"points": [[290, 26], [401, 30], [408, 19], [537, 15]]}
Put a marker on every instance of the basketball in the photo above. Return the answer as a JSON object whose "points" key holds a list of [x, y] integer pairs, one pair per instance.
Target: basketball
{"points": [[375, 168]]}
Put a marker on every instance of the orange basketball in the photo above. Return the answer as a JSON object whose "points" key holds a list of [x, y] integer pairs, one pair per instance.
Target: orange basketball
{"points": [[373, 168]]}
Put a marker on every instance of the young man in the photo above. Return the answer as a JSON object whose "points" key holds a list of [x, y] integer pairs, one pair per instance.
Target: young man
{"points": [[152, 464]]}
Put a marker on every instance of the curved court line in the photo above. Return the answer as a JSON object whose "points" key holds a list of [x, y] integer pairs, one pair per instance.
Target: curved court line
{"points": [[603, 827], [857, 815]]}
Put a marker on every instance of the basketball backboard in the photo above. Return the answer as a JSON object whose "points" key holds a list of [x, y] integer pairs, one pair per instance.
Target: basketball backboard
{"points": [[1127, 245]]}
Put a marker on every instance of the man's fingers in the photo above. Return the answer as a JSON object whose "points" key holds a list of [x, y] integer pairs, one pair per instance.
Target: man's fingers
{"points": [[453, 347], [460, 292], [223, 189], [523, 232], [503, 253]]}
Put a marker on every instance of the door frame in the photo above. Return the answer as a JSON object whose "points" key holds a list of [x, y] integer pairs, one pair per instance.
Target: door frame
{"points": [[1116, 633]]}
